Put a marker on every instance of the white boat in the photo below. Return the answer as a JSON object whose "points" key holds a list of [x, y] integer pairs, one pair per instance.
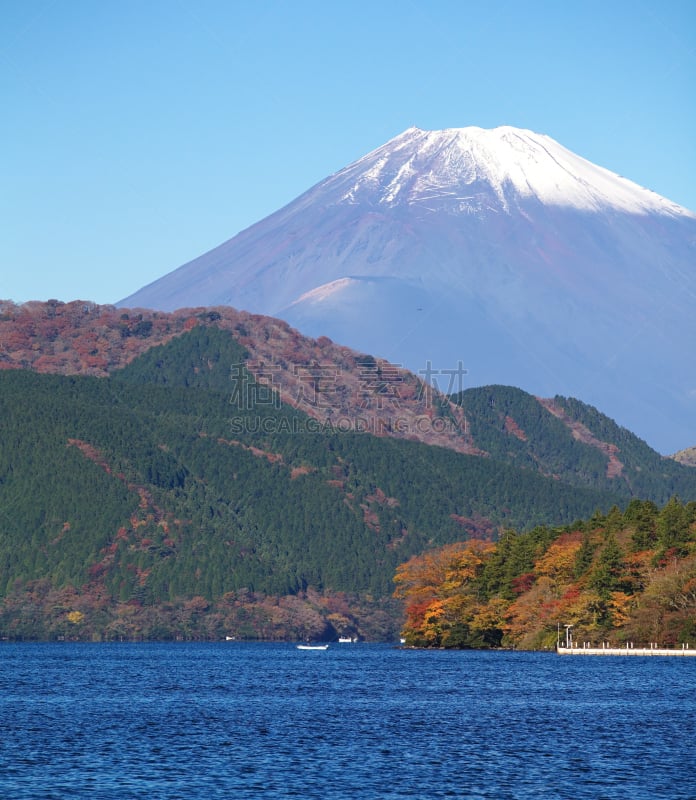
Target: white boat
{"points": [[346, 640], [312, 646]]}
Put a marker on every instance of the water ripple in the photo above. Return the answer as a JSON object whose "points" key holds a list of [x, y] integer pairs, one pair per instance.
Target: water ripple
{"points": [[364, 722]]}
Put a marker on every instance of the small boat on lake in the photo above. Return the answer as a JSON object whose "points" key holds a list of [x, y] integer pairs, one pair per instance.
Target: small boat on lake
{"points": [[312, 646]]}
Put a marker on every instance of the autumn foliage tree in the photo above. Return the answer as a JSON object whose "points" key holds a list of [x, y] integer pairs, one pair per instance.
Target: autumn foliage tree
{"points": [[441, 593], [520, 591]]}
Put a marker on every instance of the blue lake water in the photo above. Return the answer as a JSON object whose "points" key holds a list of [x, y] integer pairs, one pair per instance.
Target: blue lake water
{"points": [[236, 720]]}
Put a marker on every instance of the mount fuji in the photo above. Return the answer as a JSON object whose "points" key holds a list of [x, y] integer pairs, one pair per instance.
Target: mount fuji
{"points": [[499, 251]]}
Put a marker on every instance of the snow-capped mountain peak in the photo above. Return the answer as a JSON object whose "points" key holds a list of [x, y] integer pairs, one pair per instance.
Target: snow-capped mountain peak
{"points": [[460, 167], [499, 249]]}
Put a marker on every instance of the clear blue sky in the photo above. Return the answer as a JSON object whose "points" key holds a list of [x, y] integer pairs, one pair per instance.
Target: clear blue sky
{"points": [[137, 134]]}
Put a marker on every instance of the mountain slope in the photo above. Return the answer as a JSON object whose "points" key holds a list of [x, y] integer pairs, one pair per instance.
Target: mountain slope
{"points": [[500, 249], [571, 441], [338, 390], [686, 456], [144, 489]]}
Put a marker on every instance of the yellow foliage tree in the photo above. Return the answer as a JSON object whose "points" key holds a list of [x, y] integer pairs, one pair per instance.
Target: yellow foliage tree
{"points": [[558, 562], [437, 589]]}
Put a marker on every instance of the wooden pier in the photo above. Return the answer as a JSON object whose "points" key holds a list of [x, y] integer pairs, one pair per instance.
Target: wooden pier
{"points": [[569, 648], [624, 651]]}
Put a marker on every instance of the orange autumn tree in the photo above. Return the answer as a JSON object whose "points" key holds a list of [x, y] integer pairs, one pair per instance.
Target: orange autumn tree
{"points": [[441, 597], [590, 591], [547, 596], [618, 577]]}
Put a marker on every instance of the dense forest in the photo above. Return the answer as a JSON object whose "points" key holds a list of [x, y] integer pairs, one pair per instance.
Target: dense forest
{"points": [[618, 577], [134, 489], [178, 483]]}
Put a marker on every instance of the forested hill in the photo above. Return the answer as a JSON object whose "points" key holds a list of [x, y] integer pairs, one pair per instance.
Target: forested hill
{"points": [[572, 441], [210, 472], [558, 437], [156, 486]]}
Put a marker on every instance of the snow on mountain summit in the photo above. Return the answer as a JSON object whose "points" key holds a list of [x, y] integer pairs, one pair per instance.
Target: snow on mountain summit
{"points": [[459, 167], [499, 249]]}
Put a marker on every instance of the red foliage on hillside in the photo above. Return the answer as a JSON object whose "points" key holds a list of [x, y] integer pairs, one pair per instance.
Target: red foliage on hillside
{"points": [[333, 384]]}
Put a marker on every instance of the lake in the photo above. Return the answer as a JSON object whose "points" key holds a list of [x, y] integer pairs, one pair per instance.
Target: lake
{"points": [[239, 720]]}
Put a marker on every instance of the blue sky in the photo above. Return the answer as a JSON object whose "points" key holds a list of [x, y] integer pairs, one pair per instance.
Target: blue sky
{"points": [[138, 134]]}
